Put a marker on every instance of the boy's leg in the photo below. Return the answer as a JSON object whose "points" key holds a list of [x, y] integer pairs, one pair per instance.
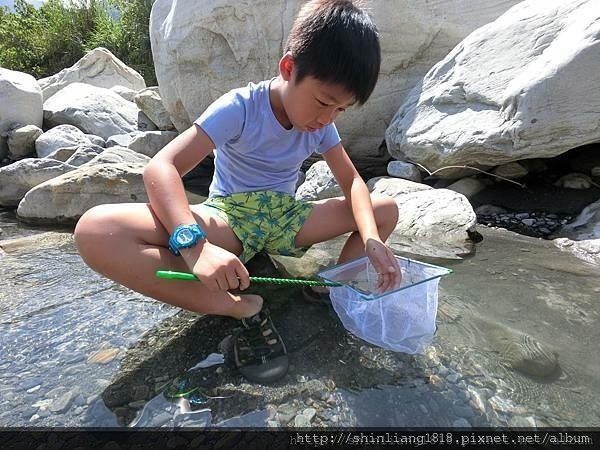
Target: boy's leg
{"points": [[128, 244], [333, 217]]}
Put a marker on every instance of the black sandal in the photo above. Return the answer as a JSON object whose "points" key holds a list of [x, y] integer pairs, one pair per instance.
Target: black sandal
{"points": [[259, 352]]}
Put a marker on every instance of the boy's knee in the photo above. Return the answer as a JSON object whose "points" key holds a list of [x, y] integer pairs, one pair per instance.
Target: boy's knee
{"points": [[88, 226]]}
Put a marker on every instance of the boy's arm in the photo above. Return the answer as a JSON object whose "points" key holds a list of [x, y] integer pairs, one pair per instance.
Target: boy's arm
{"points": [[357, 194], [216, 267]]}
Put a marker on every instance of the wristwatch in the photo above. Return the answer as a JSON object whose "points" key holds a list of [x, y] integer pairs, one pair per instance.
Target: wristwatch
{"points": [[185, 236]]}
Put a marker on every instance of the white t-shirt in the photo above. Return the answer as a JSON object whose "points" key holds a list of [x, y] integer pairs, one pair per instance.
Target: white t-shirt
{"points": [[254, 152]]}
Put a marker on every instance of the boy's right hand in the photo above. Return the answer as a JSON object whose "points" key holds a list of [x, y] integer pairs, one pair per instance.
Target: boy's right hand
{"points": [[217, 268]]}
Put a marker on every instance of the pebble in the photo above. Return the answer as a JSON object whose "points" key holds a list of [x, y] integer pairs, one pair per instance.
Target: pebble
{"points": [[62, 403], [536, 224], [309, 413], [301, 421], [453, 378]]}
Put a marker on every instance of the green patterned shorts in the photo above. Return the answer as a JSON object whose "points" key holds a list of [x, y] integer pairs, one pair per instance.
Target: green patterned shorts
{"points": [[263, 220]]}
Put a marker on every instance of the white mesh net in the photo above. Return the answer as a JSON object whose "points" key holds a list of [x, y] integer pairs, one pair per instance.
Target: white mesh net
{"points": [[402, 320]]}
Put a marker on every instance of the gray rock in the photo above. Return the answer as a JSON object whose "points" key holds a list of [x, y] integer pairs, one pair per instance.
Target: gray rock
{"points": [[536, 101], [125, 92], [151, 142], [301, 421], [401, 169], [64, 199], [319, 183], [93, 110], [150, 102], [84, 154], [21, 141], [467, 186], [574, 181], [20, 177], [96, 140], [121, 140], [60, 136], [63, 402]]}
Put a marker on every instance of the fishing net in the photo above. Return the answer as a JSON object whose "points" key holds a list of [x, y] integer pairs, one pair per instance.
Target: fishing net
{"points": [[401, 320]]}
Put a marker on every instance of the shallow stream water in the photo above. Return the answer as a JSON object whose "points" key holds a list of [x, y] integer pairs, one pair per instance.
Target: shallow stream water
{"points": [[64, 332]]}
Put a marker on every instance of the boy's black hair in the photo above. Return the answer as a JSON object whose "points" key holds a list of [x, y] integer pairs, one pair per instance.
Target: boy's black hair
{"points": [[335, 41]]}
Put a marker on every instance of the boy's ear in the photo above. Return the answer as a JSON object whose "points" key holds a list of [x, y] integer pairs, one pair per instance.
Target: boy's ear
{"points": [[286, 66]]}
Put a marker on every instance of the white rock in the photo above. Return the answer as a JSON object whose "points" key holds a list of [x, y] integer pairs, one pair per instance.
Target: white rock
{"points": [[430, 214], [96, 140], [20, 103], [59, 137], [511, 170], [468, 187], [149, 101], [574, 181], [118, 154], [401, 169], [318, 184], [19, 177], [67, 197], [145, 123], [63, 153], [100, 68], [582, 236], [203, 49], [126, 93], [150, 142], [122, 140], [519, 87], [84, 154], [21, 141], [92, 109]]}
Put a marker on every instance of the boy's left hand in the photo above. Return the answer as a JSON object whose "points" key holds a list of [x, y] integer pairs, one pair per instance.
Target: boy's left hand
{"points": [[385, 263]]}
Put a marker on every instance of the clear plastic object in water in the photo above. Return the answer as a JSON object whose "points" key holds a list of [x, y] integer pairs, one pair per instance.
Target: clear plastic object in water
{"points": [[402, 319]]}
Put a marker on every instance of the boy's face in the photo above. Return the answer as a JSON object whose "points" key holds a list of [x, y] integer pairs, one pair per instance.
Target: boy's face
{"points": [[312, 104]]}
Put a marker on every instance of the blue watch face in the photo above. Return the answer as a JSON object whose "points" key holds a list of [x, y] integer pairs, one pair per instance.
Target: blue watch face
{"points": [[184, 237]]}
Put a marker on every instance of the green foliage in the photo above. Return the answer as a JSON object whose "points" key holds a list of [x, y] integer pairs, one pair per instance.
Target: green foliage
{"points": [[44, 41]]}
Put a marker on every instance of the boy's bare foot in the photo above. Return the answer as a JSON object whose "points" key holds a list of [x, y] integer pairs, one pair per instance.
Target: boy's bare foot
{"points": [[247, 305]]}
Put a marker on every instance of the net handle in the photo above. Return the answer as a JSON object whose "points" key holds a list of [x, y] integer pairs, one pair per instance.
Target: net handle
{"points": [[172, 275]]}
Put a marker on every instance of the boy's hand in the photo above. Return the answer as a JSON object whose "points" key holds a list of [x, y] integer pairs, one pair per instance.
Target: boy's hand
{"points": [[386, 265], [217, 268]]}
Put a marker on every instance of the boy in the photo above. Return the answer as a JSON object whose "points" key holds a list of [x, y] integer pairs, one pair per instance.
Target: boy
{"points": [[261, 135]]}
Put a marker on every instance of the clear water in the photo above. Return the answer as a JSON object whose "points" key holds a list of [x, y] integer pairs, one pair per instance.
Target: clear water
{"points": [[55, 313]]}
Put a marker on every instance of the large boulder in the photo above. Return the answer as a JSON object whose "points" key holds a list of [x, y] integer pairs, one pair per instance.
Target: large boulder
{"points": [[19, 177], [434, 215], [524, 86], [100, 68], [203, 49], [20, 104], [92, 109], [65, 198]]}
